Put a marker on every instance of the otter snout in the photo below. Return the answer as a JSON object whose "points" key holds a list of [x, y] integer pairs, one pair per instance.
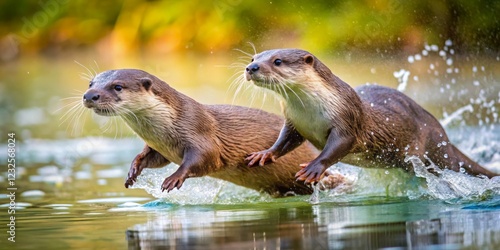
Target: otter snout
{"points": [[90, 98], [250, 70]]}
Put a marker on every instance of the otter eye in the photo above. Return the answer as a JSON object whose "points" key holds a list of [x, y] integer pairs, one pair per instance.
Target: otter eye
{"points": [[118, 87], [252, 60], [277, 62]]}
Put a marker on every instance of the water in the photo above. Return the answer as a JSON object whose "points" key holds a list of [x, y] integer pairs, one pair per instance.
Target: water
{"points": [[70, 174]]}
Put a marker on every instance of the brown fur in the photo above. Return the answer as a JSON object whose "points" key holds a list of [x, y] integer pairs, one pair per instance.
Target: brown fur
{"points": [[203, 139], [370, 126]]}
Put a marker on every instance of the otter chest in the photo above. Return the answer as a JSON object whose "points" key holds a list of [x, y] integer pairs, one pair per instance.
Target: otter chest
{"points": [[312, 124], [161, 139]]}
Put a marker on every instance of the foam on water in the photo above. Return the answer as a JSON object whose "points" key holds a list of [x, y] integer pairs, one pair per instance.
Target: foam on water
{"points": [[203, 190]]}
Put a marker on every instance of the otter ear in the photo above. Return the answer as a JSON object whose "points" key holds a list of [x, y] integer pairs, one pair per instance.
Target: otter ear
{"points": [[146, 82], [309, 59]]}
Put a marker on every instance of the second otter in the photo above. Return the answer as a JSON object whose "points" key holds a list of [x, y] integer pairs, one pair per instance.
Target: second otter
{"points": [[202, 139], [370, 126]]}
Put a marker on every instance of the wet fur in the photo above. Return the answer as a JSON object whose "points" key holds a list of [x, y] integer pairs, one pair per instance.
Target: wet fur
{"points": [[372, 126], [203, 139]]}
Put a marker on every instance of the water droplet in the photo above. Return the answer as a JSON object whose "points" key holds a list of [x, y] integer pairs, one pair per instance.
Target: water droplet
{"points": [[476, 83], [387, 119], [444, 143], [445, 156], [415, 78], [386, 172], [449, 61], [442, 53], [439, 145], [452, 51], [371, 104], [418, 57], [431, 66], [474, 69], [462, 170], [425, 52], [411, 59], [448, 42], [434, 47]]}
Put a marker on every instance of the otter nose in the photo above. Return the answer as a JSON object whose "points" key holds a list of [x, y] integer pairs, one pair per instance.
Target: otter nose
{"points": [[252, 68], [91, 96]]}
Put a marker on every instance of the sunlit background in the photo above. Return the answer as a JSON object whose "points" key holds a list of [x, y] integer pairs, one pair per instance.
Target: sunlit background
{"points": [[445, 54], [45, 46]]}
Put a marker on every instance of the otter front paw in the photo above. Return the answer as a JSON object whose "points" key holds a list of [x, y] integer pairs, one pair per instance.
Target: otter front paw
{"points": [[135, 170], [310, 172], [174, 181], [262, 157]]}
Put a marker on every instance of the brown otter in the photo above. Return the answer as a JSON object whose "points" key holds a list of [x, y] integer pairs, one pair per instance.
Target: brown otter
{"points": [[370, 126], [202, 139]]}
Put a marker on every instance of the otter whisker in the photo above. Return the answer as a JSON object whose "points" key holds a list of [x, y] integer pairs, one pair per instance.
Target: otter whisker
{"points": [[298, 97], [76, 120], [246, 53], [88, 70], [71, 97], [73, 104], [127, 114], [253, 47], [234, 65], [97, 65], [236, 76], [239, 84], [85, 76], [74, 108]]}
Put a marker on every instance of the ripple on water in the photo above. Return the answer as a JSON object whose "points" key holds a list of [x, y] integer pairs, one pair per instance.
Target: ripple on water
{"points": [[115, 200]]}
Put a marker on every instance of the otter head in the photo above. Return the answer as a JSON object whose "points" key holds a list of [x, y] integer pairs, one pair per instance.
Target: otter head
{"points": [[116, 92], [292, 68]]}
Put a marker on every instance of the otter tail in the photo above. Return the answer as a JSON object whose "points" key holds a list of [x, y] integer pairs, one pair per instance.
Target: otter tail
{"points": [[469, 165]]}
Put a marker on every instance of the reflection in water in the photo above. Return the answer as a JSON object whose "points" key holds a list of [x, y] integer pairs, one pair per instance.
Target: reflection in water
{"points": [[71, 187], [298, 226]]}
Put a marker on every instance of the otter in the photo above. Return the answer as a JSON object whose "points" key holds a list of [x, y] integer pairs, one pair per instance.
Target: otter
{"points": [[370, 126], [202, 139]]}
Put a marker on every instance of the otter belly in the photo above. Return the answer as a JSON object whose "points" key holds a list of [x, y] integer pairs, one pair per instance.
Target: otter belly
{"points": [[311, 124]]}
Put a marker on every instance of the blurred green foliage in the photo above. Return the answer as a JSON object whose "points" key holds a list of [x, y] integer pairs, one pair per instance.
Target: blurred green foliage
{"points": [[132, 26]]}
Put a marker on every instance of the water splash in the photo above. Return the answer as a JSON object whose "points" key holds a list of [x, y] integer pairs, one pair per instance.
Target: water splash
{"points": [[453, 186], [196, 191], [457, 115], [464, 84], [402, 76]]}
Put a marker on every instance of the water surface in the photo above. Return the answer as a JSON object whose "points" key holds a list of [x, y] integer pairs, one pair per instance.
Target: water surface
{"points": [[70, 172]]}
